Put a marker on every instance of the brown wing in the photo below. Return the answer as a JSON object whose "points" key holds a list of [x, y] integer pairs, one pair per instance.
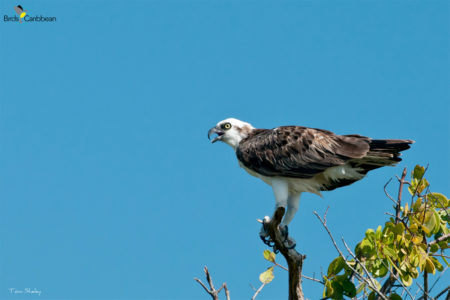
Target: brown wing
{"points": [[300, 152]]}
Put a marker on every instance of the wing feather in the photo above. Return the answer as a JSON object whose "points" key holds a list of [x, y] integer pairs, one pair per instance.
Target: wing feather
{"points": [[300, 152]]}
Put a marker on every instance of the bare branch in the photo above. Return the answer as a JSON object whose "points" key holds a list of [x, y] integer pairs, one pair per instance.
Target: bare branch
{"points": [[203, 285], [227, 291], [211, 290], [303, 276], [313, 279], [258, 290], [387, 194], [437, 279]]}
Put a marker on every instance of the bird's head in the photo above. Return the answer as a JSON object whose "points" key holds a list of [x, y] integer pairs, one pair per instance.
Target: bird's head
{"points": [[230, 131]]}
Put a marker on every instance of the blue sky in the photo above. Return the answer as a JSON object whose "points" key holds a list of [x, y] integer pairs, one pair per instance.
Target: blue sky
{"points": [[109, 187]]}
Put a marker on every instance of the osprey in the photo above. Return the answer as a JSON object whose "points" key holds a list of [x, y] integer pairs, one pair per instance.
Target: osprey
{"points": [[296, 159]]}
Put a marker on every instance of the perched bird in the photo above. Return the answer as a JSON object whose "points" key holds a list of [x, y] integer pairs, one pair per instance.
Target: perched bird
{"points": [[296, 159]]}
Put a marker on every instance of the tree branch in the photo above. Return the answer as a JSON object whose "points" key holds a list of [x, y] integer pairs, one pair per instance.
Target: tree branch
{"points": [[211, 290], [293, 258], [258, 290]]}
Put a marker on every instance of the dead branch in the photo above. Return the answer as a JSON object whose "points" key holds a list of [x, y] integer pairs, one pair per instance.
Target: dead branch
{"points": [[258, 290], [386, 192], [293, 258], [211, 290], [303, 276]]}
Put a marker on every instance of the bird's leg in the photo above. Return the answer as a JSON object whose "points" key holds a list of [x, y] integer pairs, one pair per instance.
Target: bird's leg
{"points": [[293, 202], [281, 193]]}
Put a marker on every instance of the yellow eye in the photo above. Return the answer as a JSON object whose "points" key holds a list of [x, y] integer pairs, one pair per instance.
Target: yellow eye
{"points": [[226, 126]]}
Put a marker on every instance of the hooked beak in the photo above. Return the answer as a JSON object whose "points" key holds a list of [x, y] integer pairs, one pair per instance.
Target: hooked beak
{"points": [[219, 133]]}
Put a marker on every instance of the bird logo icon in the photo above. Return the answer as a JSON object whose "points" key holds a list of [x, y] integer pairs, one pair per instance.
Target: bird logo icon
{"points": [[22, 13]]}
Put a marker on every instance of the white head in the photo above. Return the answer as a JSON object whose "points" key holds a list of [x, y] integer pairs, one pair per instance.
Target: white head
{"points": [[230, 131]]}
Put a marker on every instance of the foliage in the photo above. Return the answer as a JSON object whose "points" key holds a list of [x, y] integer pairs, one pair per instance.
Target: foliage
{"points": [[410, 244]]}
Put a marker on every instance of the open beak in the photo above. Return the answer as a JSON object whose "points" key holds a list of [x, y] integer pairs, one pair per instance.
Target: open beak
{"points": [[219, 133]]}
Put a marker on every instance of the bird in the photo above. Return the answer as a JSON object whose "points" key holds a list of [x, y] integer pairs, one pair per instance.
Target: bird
{"points": [[297, 159]]}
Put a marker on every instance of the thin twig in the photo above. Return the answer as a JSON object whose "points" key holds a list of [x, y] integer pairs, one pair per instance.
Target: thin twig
{"points": [[437, 279], [443, 292], [440, 255], [304, 276], [313, 279], [425, 293], [387, 194], [258, 290]]}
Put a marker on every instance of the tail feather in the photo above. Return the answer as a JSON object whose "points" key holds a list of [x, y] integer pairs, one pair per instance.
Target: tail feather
{"points": [[382, 153]]}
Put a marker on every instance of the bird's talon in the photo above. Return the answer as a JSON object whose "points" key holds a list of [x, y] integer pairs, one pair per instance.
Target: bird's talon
{"points": [[290, 243]]}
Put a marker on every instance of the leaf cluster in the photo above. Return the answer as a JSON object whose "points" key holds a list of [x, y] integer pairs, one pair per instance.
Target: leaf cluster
{"points": [[411, 243]]}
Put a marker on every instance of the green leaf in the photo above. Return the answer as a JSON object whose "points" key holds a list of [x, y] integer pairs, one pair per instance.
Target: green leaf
{"points": [[446, 262], [418, 172], [335, 266], [416, 205], [437, 264], [390, 252], [429, 266], [399, 228], [360, 288], [406, 279], [269, 255], [369, 232], [381, 271], [365, 248], [417, 239], [378, 233], [429, 223], [349, 288], [395, 296], [328, 289], [439, 200], [338, 290], [267, 276], [434, 248]]}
